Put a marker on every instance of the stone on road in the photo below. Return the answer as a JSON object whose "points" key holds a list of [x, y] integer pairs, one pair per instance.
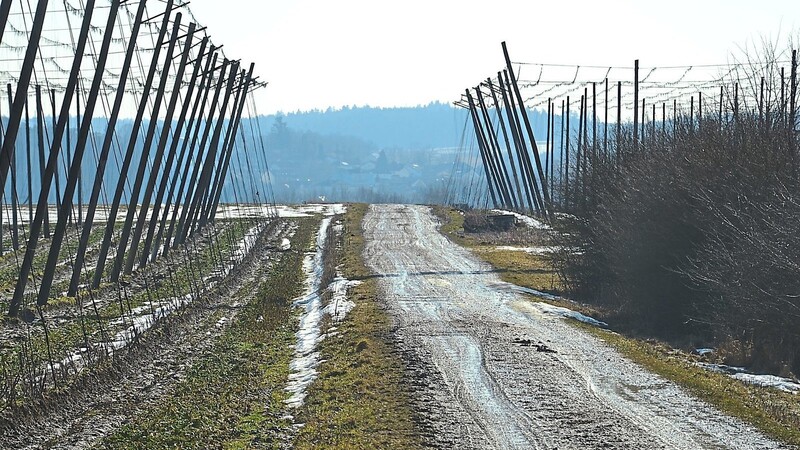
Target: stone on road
{"points": [[491, 371]]}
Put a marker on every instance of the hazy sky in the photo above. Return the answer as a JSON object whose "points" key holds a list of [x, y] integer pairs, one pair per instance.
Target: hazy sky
{"points": [[321, 53]]}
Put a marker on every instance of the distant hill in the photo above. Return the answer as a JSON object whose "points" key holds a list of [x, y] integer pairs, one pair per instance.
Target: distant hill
{"points": [[430, 126]]}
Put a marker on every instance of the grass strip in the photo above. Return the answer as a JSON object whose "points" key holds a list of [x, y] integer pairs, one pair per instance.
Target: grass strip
{"points": [[358, 400]]}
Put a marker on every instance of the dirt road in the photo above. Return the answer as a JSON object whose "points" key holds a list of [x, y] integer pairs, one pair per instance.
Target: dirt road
{"points": [[492, 371]]}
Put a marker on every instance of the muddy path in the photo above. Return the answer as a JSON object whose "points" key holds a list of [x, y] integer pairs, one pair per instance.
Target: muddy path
{"points": [[148, 370], [491, 371]]}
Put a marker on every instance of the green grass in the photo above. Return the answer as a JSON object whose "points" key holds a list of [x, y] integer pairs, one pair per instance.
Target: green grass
{"points": [[775, 412], [234, 396], [358, 401]]}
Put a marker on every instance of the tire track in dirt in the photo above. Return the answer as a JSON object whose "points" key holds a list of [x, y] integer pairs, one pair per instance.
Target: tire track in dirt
{"points": [[476, 388]]}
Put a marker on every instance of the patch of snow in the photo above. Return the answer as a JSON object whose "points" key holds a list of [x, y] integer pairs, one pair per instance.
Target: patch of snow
{"points": [[528, 221], [542, 250], [339, 305], [306, 359], [548, 309], [703, 351], [286, 244], [764, 380]]}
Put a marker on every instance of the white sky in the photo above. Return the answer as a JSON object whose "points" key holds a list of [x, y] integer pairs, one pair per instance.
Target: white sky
{"points": [[333, 53]]}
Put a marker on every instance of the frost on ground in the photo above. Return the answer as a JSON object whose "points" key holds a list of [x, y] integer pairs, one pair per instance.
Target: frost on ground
{"points": [[490, 369]]}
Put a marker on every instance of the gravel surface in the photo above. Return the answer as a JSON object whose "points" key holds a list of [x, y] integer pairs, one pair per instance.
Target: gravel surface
{"points": [[490, 370]]}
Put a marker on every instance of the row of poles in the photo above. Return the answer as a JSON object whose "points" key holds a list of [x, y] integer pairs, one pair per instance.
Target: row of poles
{"points": [[177, 173], [511, 180], [529, 190]]}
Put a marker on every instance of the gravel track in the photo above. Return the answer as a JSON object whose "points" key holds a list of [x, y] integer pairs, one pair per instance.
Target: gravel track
{"points": [[489, 370]]}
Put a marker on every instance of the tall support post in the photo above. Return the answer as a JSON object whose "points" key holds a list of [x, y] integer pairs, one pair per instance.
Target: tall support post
{"points": [[551, 177], [594, 122], [653, 127], [199, 163], [56, 173], [40, 142], [721, 103], [793, 94], [644, 112], [184, 173], [15, 115], [137, 123], [531, 177], [14, 200], [217, 181], [482, 149], [579, 148], [80, 147], [529, 129], [130, 215], [547, 138], [58, 133], [664, 119], [157, 204], [159, 156], [636, 105], [205, 175], [494, 168], [566, 161], [80, 178], [783, 96], [28, 158], [605, 123], [5, 9], [231, 143], [561, 157], [496, 154], [761, 103], [619, 114], [518, 146], [699, 110], [102, 160], [691, 113], [507, 141]]}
